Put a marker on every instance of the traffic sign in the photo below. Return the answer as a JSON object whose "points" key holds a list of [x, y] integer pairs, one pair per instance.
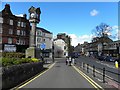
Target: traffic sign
{"points": [[42, 46]]}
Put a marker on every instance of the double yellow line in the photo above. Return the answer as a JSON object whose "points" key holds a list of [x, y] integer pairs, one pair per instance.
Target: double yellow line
{"points": [[93, 83], [34, 77]]}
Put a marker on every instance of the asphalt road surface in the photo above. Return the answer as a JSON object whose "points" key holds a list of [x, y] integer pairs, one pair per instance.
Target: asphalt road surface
{"points": [[59, 76]]}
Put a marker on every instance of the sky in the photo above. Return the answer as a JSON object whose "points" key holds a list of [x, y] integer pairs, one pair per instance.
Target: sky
{"points": [[76, 19]]}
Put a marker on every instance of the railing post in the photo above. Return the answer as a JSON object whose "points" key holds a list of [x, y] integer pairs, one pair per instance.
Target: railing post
{"points": [[93, 71], [103, 75], [83, 66], [87, 68]]}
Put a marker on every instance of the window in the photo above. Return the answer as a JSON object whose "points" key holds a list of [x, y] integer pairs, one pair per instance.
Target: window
{"points": [[18, 24], [64, 47], [43, 40], [64, 53], [38, 40], [22, 24], [1, 20], [10, 31], [38, 33], [23, 42], [11, 22], [22, 32], [0, 39], [43, 34], [18, 32], [1, 30], [10, 40], [18, 41]]}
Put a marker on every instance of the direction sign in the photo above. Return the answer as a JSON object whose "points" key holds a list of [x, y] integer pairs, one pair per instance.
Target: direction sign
{"points": [[42, 46]]}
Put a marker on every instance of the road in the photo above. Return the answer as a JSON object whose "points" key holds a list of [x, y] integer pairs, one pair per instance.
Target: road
{"points": [[59, 75], [98, 64]]}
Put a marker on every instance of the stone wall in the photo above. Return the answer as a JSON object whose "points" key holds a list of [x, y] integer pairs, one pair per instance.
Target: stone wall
{"points": [[16, 74]]}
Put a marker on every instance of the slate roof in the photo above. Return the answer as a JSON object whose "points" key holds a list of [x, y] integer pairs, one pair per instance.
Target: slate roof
{"points": [[44, 30]]}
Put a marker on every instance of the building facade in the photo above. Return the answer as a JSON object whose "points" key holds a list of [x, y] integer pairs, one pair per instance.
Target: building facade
{"points": [[60, 48], [44, 40], [67, 40], [95, 47], [14, 31]]}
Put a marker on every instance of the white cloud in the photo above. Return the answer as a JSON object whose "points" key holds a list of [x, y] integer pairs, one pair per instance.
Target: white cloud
{"points": [[115, 32], [94, 12], [20, 15], [79, 39]]}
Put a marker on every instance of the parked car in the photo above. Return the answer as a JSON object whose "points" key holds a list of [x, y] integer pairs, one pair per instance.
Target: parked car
{"points": [[102, 58], [109, 58]]}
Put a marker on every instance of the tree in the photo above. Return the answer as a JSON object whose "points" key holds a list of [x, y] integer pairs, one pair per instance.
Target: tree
{"points": [[101, 32]]}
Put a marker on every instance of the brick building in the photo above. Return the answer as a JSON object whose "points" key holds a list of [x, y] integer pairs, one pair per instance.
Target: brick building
{"points": [[14, 31]]}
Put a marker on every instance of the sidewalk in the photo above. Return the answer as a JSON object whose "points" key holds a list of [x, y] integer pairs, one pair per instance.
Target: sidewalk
{"points": [[48, 62]]}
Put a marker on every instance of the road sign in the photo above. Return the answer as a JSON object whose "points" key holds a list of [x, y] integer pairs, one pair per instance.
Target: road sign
{"points": [[42, 46]]}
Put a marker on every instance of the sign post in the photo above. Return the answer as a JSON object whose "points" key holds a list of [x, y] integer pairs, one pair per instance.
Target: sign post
{"points": [[42, 46]]}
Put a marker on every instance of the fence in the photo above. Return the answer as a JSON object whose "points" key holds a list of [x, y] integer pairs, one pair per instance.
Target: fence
{"points": [[95, 71]]}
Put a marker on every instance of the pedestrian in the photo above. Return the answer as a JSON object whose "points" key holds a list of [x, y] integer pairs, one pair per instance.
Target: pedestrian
{"points": [[67, 61], [70, 61]]}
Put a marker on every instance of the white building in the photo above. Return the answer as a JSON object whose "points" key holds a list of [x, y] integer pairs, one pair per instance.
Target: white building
{"points": [[44, 40], [60, 48]]}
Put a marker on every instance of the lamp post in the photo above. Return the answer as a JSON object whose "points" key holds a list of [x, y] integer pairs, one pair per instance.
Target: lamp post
{"points": [[34, 19]]}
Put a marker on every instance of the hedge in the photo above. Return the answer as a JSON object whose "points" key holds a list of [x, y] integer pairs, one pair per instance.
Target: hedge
{"points": [[15, 61], [13, 55]]}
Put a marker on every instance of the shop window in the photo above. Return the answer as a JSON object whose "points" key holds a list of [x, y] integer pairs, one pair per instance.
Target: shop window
{"points": [[10, 40]]}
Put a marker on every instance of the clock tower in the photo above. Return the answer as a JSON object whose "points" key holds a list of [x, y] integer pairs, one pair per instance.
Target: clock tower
{"points": [[34, 19]]}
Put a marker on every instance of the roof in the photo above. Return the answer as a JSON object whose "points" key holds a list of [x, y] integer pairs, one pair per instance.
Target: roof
{"points": [[44, 30]]}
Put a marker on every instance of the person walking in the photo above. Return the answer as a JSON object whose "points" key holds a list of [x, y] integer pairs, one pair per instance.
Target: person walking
{"points": [[70, 61], [67, 60]]}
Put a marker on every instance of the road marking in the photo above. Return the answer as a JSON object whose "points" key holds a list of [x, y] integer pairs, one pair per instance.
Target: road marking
{"points": [[35, 77], [93, 83]]}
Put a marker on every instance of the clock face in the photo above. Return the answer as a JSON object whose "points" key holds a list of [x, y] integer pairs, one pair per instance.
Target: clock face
{"points": [[32, 15]]}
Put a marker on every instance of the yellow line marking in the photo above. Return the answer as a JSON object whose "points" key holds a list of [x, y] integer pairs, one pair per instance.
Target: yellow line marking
{"points": [[36, 77], [98, 87]]}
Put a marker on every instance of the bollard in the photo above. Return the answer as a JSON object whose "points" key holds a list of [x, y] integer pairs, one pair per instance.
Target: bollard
{"points": [[103, 75], [116, 64], [87, 68], [83, 66], [93, 71]]}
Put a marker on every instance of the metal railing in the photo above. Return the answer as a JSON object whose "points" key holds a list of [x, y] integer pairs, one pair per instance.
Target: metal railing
{"points": [[101, 71]]}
